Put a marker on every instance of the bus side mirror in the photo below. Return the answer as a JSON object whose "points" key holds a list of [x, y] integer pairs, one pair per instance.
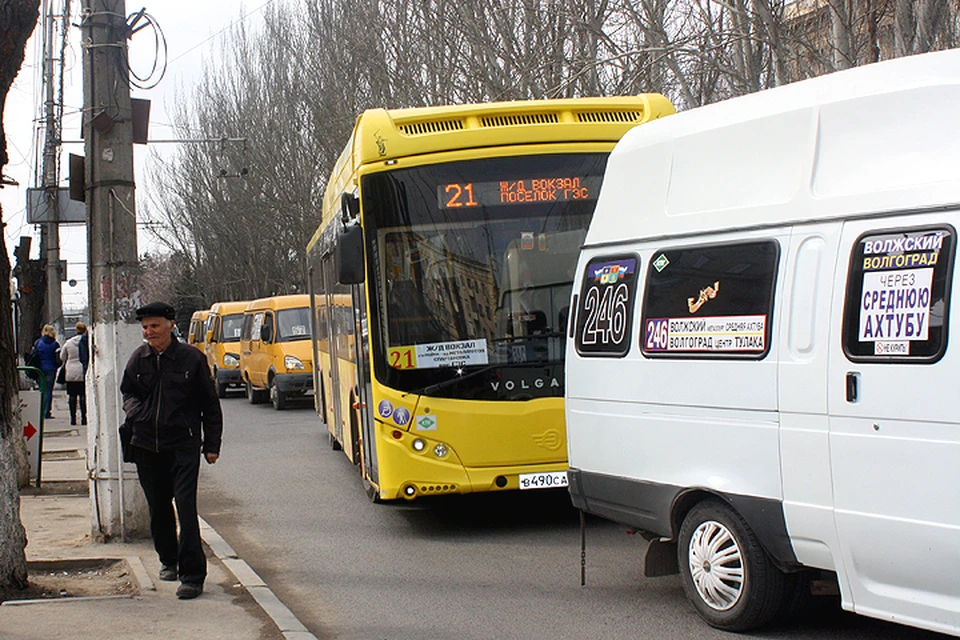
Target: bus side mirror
{"points": [[210, 335], [265, 332], [350, 256]]}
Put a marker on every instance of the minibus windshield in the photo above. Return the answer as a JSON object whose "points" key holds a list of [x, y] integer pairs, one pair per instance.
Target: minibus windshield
{"points": [[293, 324], [230, 327]]}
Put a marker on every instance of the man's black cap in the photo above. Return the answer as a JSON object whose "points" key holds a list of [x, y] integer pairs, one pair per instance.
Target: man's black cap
{"points": [[157, 310]]}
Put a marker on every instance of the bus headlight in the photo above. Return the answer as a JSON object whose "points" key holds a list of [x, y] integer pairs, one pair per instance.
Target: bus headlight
{"points": [[231, 360], [440, 450], [419, 445], [292, 363]]}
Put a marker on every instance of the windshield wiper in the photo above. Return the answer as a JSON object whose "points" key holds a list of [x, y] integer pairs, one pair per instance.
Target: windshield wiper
{"points": [[532, 336], [432, 388]]}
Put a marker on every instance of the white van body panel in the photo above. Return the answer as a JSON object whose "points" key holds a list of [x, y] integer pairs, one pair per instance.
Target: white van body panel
{"points": [[863, 478], [896, 470], [840, 145]]}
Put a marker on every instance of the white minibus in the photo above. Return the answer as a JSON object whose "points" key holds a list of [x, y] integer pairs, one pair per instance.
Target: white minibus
{"points": [[760, 376]]}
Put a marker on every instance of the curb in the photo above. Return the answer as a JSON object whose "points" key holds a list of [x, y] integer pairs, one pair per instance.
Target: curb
{"points": [[289, 625]]}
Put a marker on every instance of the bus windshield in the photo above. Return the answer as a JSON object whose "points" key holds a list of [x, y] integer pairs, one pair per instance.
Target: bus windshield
{"points": [[474, 260]]}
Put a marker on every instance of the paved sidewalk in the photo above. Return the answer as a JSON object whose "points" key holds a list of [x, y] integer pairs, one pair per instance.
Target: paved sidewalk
{"points": [[58, 522]]}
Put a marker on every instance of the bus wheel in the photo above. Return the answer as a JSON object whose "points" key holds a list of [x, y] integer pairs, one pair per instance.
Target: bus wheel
{"points": [[277, 398], [725, 572], [372, 494], [336, 446]]}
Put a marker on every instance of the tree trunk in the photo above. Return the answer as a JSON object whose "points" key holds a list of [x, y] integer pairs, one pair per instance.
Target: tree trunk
{"points": [[17, 20]]}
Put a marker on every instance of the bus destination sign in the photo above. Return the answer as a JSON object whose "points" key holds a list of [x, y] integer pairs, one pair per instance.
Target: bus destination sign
{"points": [[512, 192]]}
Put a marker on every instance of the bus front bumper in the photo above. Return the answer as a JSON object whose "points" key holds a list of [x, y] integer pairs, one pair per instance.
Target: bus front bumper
{"points": [[424, 473]]}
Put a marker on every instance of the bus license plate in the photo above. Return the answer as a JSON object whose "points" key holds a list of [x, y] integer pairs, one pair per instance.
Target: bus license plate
{"points": [[549, 480]]}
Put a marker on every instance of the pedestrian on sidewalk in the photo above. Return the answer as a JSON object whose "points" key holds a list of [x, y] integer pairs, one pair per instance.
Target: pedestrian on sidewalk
{"points": [[173, 414], [47, 350], [75, 359]]}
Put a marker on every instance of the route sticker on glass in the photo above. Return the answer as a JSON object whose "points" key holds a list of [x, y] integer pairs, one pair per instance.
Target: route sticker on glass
{"points": [[401, 416], [728, 334], [385, 409], [897, 294], [437, 355], [402, 357], [426, 422], [605, 306]]}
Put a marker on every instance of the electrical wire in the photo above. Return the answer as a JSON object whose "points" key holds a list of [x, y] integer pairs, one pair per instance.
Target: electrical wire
{"points": [[153, 78], [226, 28]]}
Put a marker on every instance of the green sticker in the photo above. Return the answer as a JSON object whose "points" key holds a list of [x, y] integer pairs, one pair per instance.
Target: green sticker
{"points": [[426, 423], [661, 263]]}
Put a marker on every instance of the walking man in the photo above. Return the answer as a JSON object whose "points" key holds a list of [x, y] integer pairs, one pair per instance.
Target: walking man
{"points": [[173, 414]]}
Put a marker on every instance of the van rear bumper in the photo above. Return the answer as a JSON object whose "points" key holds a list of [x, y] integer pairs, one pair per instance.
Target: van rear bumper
{"points": [[293, 382], [649, 507]]}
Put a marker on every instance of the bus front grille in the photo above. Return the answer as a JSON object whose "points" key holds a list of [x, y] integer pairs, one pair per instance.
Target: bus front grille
{"points": [[430, 126], [519, 119], [609, 116]]}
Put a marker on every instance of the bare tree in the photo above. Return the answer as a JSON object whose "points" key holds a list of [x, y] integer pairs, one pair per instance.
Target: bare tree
{"points": [[293, 90], [17, 20]]}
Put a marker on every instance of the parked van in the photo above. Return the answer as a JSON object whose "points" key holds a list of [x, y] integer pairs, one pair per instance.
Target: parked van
{"points": [[196, 334], [275, 349], [760, 375], [224, 325]]}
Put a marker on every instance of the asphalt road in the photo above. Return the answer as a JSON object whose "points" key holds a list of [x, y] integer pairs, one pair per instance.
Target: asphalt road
{"points": [[483, 567]]}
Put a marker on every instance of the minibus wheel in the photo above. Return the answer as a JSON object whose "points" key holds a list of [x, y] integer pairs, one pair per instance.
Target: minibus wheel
{"points": [[255, 396], [277, 398], [725, 572], [221, 386]]}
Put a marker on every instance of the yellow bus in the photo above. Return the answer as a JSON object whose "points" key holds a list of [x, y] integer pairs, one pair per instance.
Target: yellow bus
{"points": [[197, 333], [440, 281], [224, 322], [275, 350]]}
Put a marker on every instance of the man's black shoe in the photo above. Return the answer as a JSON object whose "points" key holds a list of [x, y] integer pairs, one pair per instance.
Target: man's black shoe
{"points": [[186, 591], [168, 573]]}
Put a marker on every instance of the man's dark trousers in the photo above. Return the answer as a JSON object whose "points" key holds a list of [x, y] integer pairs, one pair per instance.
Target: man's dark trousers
{"points": [[168, 476]]}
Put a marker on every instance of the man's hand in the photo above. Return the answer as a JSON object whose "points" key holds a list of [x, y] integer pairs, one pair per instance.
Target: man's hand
{"points": [[211, 457]]}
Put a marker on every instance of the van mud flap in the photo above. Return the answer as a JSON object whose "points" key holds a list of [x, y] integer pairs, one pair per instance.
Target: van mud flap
{"points": [[660, 559]]}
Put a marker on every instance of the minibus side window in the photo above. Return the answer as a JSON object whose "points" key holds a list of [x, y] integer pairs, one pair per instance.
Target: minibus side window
{"points": [[713, 301], [898, 295], [267, 330], [604, 306]]}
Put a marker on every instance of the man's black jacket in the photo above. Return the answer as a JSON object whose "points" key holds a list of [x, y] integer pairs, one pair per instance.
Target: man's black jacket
{"points": [[169, 397]]}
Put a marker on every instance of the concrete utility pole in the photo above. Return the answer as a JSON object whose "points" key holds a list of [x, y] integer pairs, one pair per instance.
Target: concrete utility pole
{"points": [[51, 175], [117, 505]]}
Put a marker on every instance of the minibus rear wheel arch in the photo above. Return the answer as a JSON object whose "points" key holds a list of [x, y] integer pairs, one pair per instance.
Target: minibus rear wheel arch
{"points": [[684, 502]]}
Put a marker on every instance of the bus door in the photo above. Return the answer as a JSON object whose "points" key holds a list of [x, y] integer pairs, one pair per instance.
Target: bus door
{"points": [[333, 369], [894, 436], [364, 388]]}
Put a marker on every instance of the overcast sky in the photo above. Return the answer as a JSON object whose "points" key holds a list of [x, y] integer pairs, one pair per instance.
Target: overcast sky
{"points": [[193, 30]]}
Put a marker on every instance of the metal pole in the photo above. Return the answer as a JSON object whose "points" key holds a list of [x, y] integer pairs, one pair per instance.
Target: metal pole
{"points": [[51, 173]]}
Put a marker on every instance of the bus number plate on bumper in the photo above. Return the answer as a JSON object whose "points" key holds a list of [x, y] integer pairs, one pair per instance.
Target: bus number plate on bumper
{"points": [[548, 480]]}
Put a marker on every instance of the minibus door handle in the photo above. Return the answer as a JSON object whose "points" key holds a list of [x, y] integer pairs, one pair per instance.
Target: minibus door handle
{"points": [[853, 386]]}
